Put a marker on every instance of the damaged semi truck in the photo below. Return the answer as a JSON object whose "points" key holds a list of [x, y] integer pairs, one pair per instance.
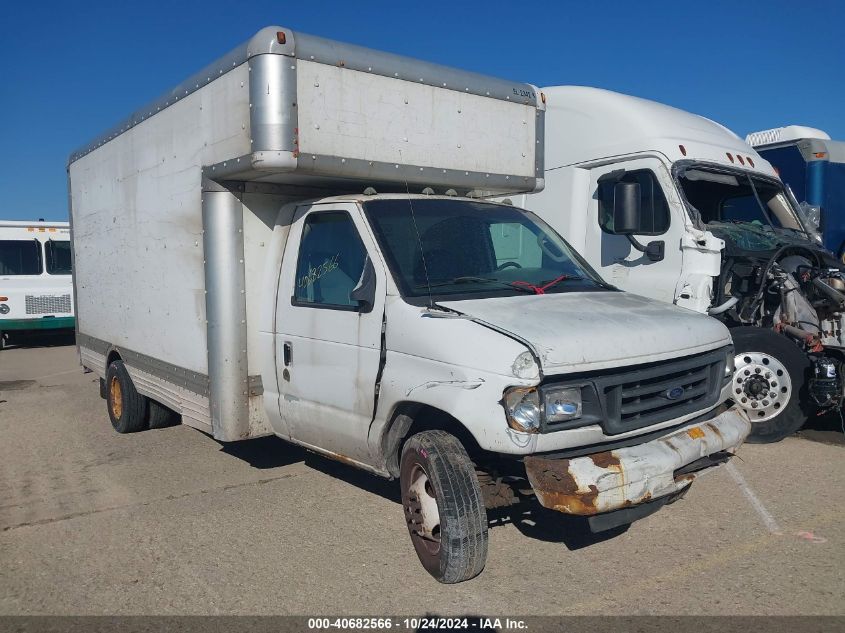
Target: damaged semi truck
{"points": [[673, 206], [290, 243]]}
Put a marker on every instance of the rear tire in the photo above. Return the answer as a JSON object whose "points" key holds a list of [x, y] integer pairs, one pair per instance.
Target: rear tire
{"points": [[127, 408], [159, 416], [758, 349], [444, 509]]}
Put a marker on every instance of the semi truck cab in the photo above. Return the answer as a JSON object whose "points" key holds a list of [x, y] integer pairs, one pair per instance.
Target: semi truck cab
{"points": [[674, 206]]}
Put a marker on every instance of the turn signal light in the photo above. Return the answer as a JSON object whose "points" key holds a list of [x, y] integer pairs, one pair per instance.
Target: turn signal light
{"points": [[4, 298]]}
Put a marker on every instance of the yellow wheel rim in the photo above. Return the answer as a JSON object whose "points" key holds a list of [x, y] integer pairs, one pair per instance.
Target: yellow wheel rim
{"points": [[116, 398]]}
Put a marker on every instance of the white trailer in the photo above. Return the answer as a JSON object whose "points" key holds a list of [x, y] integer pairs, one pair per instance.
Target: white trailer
{"points": [[36, 292], [676, 207], [235, 266]]}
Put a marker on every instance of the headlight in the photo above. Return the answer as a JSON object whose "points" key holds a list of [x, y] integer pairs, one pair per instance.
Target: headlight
{"points": [[4, 309], [562, 404], [527, 407], [525, 367], [522, 406]]}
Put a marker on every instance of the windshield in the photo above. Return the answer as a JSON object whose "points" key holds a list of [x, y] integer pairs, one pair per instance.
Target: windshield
{"points": [[20, 257], [58, 257], [461, 249], [723, 196]]}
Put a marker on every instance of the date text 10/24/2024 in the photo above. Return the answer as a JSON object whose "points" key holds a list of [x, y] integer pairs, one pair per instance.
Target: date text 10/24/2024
{"points": [[417, 623]]}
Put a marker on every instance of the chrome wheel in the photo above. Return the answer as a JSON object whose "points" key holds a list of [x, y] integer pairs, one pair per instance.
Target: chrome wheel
{"points": [[421, 511], [761, 385]]}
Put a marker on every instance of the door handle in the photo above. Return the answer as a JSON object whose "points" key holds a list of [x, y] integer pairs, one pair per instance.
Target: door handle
{"points": [[287, 352]]}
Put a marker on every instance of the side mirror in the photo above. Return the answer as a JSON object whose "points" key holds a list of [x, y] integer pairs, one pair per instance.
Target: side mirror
{"points": [[626, 208], [365, 291]]}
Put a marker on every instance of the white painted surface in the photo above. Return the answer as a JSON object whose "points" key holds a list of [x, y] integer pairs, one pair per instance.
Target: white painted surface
{"points": [[586, 331], [370, 117], [43, 286], [137, 221]]}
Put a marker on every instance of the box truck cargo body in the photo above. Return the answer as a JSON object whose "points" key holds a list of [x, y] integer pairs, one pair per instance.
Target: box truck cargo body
{"points": [[292, 242], [676, 207], [813, 166], [36, 292]]}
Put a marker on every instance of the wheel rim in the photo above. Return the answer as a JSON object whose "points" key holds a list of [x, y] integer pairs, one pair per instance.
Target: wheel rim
{"points": [[761, 385], [421, 511], [116, 398]]}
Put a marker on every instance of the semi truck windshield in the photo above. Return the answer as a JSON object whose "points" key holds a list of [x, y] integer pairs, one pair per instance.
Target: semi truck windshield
{"points": [[456, 248], [721, 196]]}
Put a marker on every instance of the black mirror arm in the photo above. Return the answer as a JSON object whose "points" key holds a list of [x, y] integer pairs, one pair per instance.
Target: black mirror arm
{"points": [[653, 250]]}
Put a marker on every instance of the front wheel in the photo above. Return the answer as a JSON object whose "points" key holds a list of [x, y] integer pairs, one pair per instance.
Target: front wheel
{"points": [[770, 383], [444, 509]]}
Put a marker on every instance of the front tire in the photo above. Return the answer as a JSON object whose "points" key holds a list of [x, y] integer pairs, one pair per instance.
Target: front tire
{"points": [[127, 408], [770, 383], [444, 509]]}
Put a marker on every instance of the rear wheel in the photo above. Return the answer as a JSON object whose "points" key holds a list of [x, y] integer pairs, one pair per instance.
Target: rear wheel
{"points": [[770, 383], [159, 416], [127, 408], [444, 509]]}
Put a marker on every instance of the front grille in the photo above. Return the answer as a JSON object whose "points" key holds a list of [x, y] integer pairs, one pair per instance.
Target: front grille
{"points": [[650, 394], [47, 304]]}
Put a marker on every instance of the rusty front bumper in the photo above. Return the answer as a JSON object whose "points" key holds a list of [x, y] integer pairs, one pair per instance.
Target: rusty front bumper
{"points": [[624, 477]]}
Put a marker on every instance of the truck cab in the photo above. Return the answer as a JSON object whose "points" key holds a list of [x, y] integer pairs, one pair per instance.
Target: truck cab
{"points": [[36, 291], [674, 206], [334, 278]]}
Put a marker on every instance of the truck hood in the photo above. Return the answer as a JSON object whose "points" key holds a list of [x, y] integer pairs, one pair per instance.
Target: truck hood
{"points": [[586, 331]]}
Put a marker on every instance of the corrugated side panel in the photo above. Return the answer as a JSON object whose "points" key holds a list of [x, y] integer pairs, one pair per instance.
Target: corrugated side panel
{"points": [[357, 115], [137, 220]]}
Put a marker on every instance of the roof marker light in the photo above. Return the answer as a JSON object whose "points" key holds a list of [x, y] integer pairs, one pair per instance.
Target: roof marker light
{"points": [[741, 161], [820, 154], [730, 156], [683, 149], [750, 162], [281, 38]]}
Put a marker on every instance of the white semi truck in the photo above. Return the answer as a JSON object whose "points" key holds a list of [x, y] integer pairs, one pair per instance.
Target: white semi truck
{"points": [[289, 243], [676, 207], [36, 292]]}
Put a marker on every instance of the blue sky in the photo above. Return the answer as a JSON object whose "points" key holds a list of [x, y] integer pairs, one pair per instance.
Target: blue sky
{"points": [[73, 69]]}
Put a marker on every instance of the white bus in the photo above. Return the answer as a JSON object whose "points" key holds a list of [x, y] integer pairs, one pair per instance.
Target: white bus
{"points": [[36, 287]]}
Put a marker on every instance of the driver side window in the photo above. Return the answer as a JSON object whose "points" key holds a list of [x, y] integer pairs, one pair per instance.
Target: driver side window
{"points": [[654, 215], [330, 263]]}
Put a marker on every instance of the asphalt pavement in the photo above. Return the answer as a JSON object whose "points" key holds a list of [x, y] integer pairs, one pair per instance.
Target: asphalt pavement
{"points": [[173, 522]]}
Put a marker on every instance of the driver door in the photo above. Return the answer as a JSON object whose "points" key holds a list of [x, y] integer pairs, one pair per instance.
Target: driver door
{"points": [[328, 347], [613, 256]]}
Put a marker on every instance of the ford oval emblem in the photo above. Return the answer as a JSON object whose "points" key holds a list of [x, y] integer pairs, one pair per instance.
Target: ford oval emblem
{"points": [[674, 393]]}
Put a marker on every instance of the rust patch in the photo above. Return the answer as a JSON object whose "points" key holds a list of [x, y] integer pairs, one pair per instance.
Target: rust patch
{"points": [[605, 460], [557, 489], [340, 458], [695, 433], [715, 429]]}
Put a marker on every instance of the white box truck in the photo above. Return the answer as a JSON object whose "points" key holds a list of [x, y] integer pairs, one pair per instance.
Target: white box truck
{"points": [[676, 207], [249, 256], [36, 292]]}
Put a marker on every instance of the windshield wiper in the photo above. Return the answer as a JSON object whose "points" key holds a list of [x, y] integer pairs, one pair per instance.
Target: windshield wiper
{"points": [[522, 286], [541, 290]]}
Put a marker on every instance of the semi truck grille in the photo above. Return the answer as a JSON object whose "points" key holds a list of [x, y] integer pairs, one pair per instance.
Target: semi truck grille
{"points": [[650, 394], [47, 304]]}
